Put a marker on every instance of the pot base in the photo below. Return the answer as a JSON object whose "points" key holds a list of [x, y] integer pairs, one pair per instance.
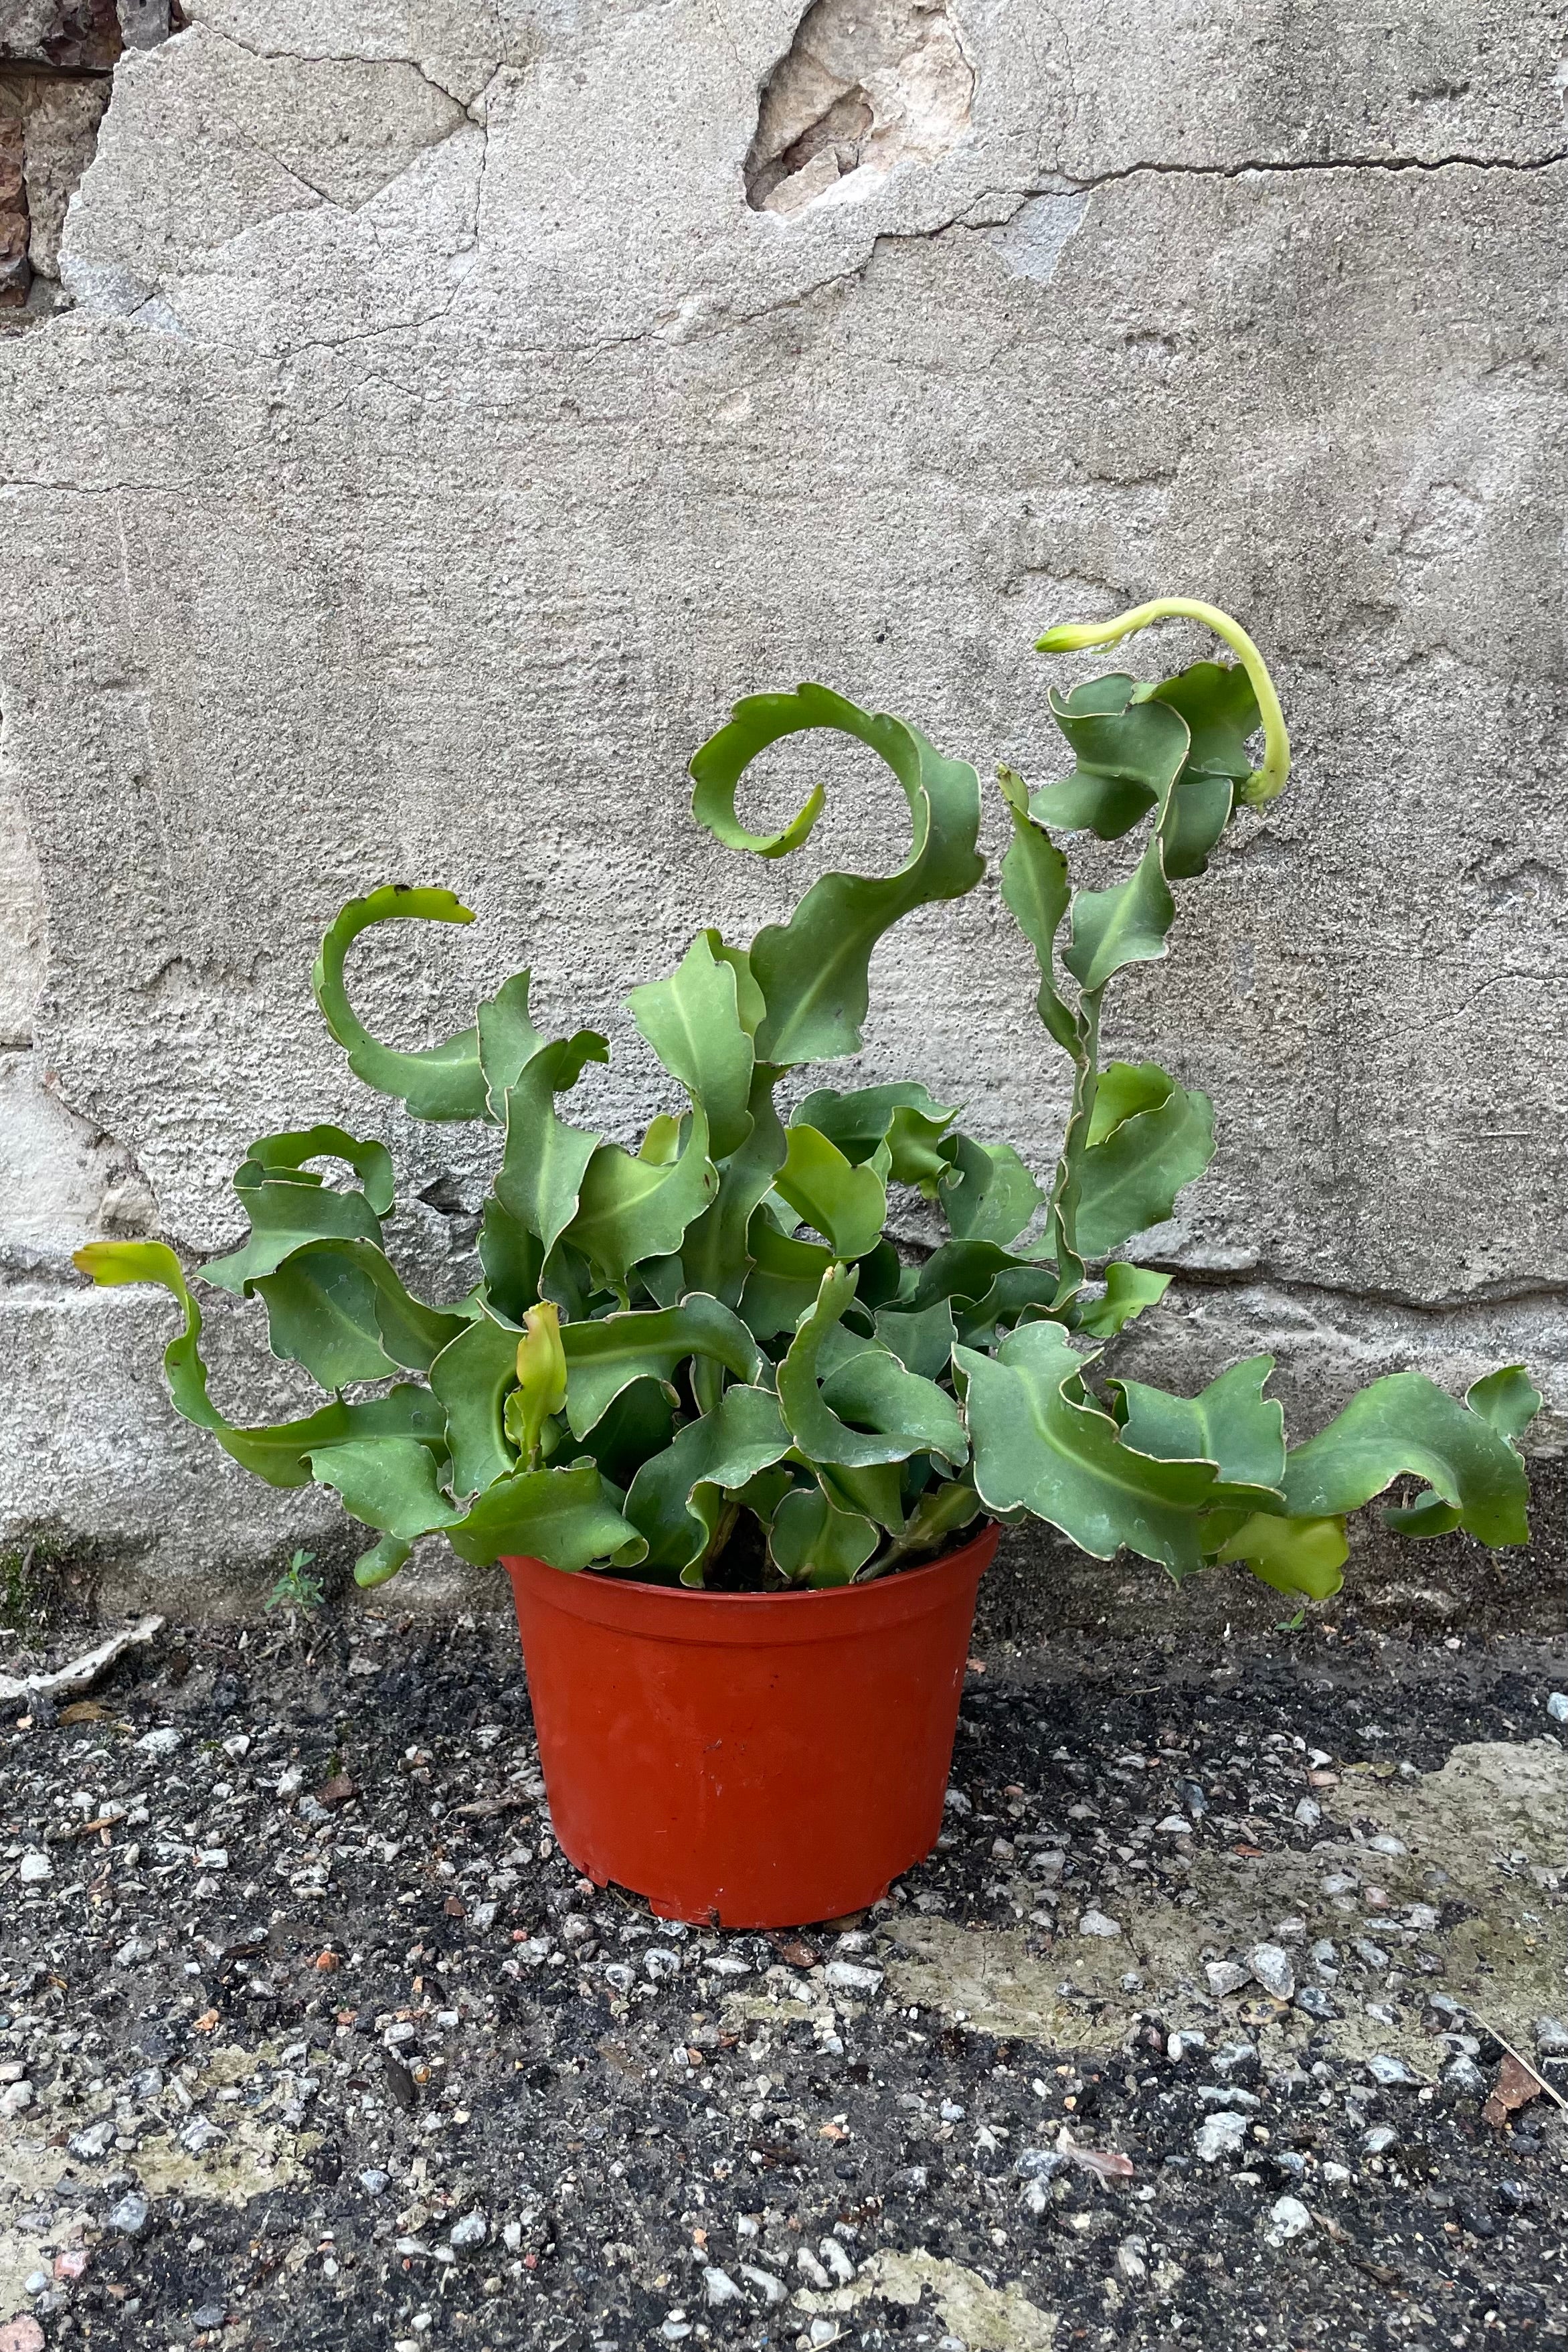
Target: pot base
{"points": [[747, 1759]]}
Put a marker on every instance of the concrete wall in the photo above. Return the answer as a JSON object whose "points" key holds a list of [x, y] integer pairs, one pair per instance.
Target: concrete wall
{"points": [[443, 408]]}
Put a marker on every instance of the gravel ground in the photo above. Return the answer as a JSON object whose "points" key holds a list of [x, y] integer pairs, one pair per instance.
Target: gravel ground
{"points": [[310, 2037]]}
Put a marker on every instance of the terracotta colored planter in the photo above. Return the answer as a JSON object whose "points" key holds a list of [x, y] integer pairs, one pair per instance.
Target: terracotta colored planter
{"points": [[748, 1760]]}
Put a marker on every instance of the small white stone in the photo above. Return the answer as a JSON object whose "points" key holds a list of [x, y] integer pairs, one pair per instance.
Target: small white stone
{"points": [[1287, 2218], [162, 1743], [35, 1868], [16, 2099], [1096, 1923], [721, 2287], [1392, 2072], [660, 1965], [471, 2231], [1307, 1814], [1557, 1706], [1224, 2134], [1175, 1825], [849, 1975], [769, 2288], [1270, 1965], [1384, 1843], [1379, 2140], [1225, 1976]]}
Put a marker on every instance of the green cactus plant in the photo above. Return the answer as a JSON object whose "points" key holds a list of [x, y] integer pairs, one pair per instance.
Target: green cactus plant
{"points": [[712, 1341]]}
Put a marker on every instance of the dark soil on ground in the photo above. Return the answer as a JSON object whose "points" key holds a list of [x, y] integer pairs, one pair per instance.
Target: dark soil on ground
{"points": [[327, 2045]]}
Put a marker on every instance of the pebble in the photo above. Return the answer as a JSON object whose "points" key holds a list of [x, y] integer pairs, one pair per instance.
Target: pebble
{"points": [[1392, 2072], [200, 2135], [22, 2334], [161, 1743], [721, 2288], [16, 2099], [1384, 1843], [1287, 2218], [374, 2182], [1270, 1964], [1551, 2037], [35, 2282], [1315, 2001], [94, 2142], [1096, 1923], [1557, 1706], [211, 2314], [1174, 1825], [471, 2231], [1129, 2260], [659, 1964], [1224, 2134], [849, 1975], [1225, 1976], [131, 2215], [34, 1868], [1379, 2140], [771, 2289], [1307, 1814]]}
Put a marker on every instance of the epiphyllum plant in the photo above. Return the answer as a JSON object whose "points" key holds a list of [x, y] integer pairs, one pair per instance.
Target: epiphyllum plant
{"points": [[704, 1359]]}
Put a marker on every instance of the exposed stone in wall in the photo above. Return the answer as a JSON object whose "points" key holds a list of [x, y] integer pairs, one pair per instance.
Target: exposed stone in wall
{"points": [[56, 58], [865, 85]]}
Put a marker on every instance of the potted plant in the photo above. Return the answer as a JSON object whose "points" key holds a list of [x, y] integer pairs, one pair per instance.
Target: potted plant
{"points": [[743, 1456]]}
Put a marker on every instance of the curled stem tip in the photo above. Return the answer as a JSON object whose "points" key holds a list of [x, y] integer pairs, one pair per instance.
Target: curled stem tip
{"points": [[1266, 783]]}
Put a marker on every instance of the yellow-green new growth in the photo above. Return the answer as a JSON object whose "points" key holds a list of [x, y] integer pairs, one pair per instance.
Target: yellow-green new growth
{"points": [[1266, 783], [541, 1381]]}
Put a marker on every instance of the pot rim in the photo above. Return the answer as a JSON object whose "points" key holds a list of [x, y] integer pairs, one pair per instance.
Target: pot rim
{"points": [[665, 1612]]}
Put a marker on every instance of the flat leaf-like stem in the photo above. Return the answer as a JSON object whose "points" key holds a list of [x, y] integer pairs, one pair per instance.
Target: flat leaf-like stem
{"points": [[814, 970], [1269, 781]]}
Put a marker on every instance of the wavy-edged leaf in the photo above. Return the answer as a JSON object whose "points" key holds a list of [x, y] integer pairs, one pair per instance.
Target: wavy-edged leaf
{"points": [[628, 1209], [784, 1279], [906, 1414], [339, 1308], [639, 1423], [1040, 1447], [989, 1196], [472, 1379], [286, 1154], [814, 971], [604, 1357], [437, 1082], [389, 1483], [846, 1203], [1148, 1139], [875, 1393], [922, 1339], [939, 1513], [716, 1252], [381, 1562], [1036, 887], [1406, 1423], [1509, 1401], [676, 1499], [813, 1542], [280, 1454], [506, 1042], [1129, 1290], [692, 1020], [568, 1518], [1230, 1423], [512, 1257], [286, 1213], [1303, 1556], [963, 1271], [901, 1114], [539, 1180]]}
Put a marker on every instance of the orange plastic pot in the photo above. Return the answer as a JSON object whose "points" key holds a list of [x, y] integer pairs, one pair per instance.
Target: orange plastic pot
{"points": [[747, 1759]]}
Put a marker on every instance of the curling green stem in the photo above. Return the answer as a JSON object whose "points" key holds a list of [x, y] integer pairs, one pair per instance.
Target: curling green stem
{"points": [[1265, 784]]}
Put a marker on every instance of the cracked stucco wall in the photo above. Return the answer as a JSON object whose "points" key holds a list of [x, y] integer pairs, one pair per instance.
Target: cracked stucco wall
{"points": [[436, 438]]}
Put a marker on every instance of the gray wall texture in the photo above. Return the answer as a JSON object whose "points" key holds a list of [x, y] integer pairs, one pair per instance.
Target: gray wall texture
{"points": [[426, 416]]}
